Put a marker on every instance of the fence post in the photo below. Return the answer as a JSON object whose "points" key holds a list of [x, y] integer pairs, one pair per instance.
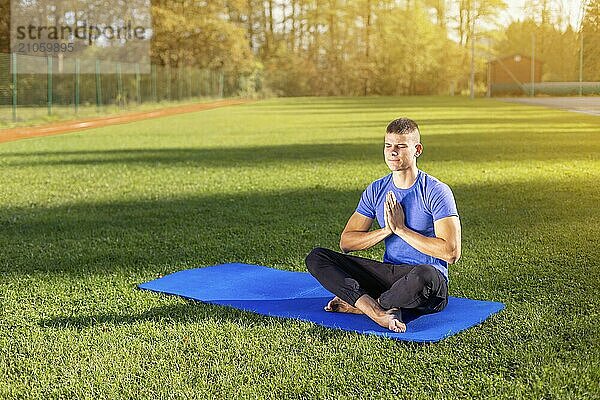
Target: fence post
{"points": [[472, 75], [120, 99], [138, 81], [581, 64], [207, 82], [98, 87], [221, 83], [168, 82], [189, 74], [489, 78], [77, 83], [14, 87], [49, 81], [533, 64], [179, 89], [154, 91]]}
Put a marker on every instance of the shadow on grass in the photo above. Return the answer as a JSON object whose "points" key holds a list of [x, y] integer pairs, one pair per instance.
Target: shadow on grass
{"points": [[268, 228], [380, 103], [514, 145], [190, 311], [193, 311], [277, 228]]}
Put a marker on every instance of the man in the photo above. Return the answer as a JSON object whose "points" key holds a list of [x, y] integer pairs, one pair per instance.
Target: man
{"points": [[421, 229]]}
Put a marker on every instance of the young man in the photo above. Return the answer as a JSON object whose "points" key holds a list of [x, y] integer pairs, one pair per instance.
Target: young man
{"points": [[421, 229]]}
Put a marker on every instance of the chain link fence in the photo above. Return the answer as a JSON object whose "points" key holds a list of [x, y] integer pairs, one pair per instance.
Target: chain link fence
{"points": [[66, 92], [546, 89]]}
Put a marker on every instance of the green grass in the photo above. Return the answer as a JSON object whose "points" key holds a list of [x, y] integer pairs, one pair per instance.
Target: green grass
{"points": [[32, 116], [85, 217]]}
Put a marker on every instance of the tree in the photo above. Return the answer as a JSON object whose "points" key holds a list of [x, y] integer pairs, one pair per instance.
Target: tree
{"points": [[590, 30], [560, 59], [188, 33], [5, 27], [472, 15], [410, 57]]}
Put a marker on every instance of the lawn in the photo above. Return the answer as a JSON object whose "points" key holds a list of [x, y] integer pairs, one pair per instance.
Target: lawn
{"points": [[85, 217], [34, 115]]}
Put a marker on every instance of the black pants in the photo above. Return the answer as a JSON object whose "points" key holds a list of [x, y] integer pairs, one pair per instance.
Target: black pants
{"points": [[421, 288]]}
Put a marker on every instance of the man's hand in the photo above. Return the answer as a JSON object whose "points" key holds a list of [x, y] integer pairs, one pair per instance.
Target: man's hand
{"points": [[393, 214], [358, 236], [446, 244]]}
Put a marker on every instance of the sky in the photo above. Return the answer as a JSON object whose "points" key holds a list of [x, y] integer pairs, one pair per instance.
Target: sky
{"points": [[568, 8]]}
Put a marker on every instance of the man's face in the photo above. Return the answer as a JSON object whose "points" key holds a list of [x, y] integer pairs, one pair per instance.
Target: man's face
{"points": [[401, 151]]}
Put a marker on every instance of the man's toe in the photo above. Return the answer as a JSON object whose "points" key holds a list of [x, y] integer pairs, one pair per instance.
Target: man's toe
{"points": [[331, 305]]}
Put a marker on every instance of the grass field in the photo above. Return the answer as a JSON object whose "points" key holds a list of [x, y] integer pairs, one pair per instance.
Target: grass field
{"points": [[31, 116], [85, 217]]}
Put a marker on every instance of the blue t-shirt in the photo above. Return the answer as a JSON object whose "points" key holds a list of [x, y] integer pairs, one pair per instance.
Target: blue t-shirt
{"points": [[426, 201]]}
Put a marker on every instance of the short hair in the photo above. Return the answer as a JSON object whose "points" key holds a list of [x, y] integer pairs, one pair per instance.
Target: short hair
{"points": [[404, 126]]}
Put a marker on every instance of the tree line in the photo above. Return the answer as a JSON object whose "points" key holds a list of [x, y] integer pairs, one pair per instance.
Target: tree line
{"points": [[363, 47]]}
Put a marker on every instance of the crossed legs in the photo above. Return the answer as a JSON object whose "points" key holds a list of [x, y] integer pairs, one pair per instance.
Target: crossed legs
{"points": [[377, 289]]}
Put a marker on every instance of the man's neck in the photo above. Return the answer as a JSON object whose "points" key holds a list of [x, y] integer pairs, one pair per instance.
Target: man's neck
{"points": [[406, 178]]}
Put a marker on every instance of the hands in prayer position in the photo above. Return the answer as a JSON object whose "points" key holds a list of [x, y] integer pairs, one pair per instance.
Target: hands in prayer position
{"points": [[393, 214]]}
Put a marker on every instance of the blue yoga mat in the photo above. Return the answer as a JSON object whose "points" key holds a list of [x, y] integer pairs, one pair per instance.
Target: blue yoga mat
{"points": [[298, 295]]}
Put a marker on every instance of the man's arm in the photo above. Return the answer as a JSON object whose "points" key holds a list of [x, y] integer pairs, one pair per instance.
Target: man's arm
{"points": [[356, 234], [447, 243]]}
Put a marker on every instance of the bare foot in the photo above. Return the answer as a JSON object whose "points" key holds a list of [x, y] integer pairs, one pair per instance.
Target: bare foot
{"points": [[392, 320], [338, 305]]}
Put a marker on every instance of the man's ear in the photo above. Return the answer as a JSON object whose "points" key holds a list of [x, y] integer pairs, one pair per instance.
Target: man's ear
{"points": [[419, 148]]}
